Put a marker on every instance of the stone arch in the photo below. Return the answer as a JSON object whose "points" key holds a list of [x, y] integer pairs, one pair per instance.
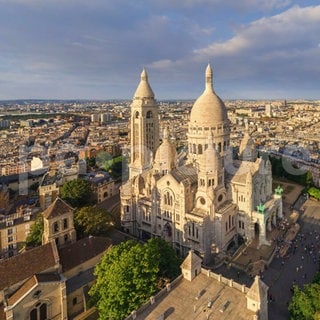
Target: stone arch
{"points": [[256, 228], [41, 309], [167, 230]]}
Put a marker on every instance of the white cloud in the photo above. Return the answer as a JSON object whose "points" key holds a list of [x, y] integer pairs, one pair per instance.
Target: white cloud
{"points": [[239, 5], [295, 30]]}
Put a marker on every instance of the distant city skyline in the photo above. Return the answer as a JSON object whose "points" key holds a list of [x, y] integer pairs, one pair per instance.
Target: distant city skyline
{"points": [[79, 49]]}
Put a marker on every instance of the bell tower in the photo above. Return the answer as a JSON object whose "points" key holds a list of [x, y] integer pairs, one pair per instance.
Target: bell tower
{"points": [[144, 127]]}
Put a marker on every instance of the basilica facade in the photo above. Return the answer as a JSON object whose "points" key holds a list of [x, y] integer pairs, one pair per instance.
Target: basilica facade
{"points": [[212, 199]]}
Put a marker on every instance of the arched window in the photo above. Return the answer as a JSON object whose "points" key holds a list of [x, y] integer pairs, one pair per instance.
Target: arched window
{"points": [[199, 148], [168, 198], [65, 223], [56, 227], [39, 312], [137, 115], [149, 115]]}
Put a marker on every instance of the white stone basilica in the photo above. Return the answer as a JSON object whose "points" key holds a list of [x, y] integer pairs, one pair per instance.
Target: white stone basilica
{"points": [[209, 201]]}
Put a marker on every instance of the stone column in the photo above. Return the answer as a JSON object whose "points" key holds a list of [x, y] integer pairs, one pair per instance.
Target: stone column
{"points": [[280, 209], [274, 218], [262, 233], [269, 227], [279, 205]]}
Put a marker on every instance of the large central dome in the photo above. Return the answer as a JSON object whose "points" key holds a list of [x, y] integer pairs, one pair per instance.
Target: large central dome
{"points": [[208, 110]]}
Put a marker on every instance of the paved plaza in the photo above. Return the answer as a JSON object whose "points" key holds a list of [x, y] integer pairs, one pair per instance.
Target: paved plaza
{"points": [[299, 266], [300, 262]]}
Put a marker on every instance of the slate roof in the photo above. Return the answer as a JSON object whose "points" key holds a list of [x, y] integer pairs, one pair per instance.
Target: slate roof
{"points": [[31, 283], [28, 285], [80, 280], [82, 250], [26, 264], [185, 172], [48, 277], [57, 208]]}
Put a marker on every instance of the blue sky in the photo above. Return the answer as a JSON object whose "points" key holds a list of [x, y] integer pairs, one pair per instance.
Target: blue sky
{"points": [[96, 49]]}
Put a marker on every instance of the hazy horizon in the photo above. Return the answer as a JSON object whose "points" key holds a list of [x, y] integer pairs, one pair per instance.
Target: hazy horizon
{"points": [[95, 50]]}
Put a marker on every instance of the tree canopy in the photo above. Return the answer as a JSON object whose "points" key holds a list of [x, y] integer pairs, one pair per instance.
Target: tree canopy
{"points": [[76, 192], [281, 168], [129, 273], [92, 220], [117, 167], [34, 238], [305, 302], [314, 192]]}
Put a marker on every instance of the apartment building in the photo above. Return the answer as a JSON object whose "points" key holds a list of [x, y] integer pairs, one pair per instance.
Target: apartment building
{"points": [[14, 230]]}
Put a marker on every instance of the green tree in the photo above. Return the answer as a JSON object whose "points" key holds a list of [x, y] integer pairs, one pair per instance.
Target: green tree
{"points": [[314, 192], [168, 262], [91, 220], [128, 274], [309, 179], [91, 162], [34, 238], [116, 167], [76, 192], [305, 302]]}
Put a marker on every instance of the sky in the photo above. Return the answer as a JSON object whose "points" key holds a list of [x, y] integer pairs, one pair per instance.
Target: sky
{"points": [[96, 49]]}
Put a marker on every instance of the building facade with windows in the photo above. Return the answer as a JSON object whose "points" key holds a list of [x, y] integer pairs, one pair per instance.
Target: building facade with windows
{"points": [[14, 229], [210, 201], [58, 223]]}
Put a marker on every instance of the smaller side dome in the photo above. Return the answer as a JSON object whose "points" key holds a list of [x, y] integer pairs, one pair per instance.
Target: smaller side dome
{"points": [[166, 155], [144, 90]]}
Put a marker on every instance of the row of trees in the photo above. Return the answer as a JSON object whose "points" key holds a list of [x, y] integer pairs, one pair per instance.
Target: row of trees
{"points": [[281, 166], [129, 273]]}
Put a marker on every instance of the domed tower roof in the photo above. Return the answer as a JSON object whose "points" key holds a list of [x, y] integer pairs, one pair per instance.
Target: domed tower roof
{"points": [[208, 110], [247, 148], [166, 155], [144, 90], [210, 160]]}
